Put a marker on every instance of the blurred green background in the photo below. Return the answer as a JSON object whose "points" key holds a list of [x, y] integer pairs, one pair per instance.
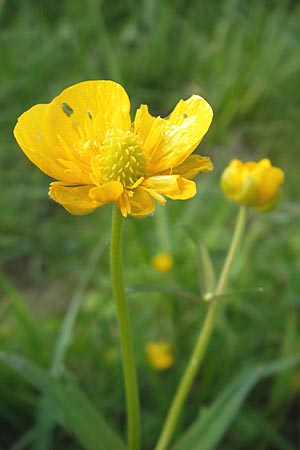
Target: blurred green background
{"points": [[244, 59]]}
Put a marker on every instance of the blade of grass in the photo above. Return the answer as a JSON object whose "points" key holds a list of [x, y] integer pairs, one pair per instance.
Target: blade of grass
{"points": [[255, 424], [209, 428], [78, 413], [204, 265], [24, 441], [175, 292], [46, 420], [32, 338]]}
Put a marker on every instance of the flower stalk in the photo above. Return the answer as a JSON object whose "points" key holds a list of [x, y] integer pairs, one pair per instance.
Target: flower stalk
{"points": [[129, 369], [203, 338]]}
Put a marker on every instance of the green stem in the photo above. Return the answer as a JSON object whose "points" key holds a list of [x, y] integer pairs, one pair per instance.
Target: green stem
{"points": [[163, 235], [203, 338], [236, 239], [130, 378]]}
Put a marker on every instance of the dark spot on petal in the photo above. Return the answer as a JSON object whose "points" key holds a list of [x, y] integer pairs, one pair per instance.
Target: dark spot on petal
{"points": [[90, 114], [67, 109], [185, 116]]}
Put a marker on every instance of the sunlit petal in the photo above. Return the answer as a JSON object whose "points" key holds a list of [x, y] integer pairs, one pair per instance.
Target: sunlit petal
{"points": [[141, 203], [168, 142], [109, 192], [75, 199], [38, 143], [268, 179], [172, 186], [90, 108], [193, 165], [65, 128]]}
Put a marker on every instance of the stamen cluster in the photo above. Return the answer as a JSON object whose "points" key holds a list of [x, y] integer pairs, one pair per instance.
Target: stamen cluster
{"points": [[121, 158]]}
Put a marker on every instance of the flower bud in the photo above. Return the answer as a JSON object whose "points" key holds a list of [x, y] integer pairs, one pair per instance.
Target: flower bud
{"points": [[255, 184]]}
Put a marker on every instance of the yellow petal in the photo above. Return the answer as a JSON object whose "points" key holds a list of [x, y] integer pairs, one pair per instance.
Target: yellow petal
{"points": [[143, 123], [66, 128], [109, 192], [192, 166], [141, 203], [172, 186], [124, 204], [269, 205], [187, 189], [150, 131], [40, 146], [96, 106], [168, 142], [268, 181], [75, 199], [238, 183]]}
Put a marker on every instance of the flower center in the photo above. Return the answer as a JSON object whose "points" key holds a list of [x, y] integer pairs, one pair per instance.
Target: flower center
{"points": [[121, 158]]}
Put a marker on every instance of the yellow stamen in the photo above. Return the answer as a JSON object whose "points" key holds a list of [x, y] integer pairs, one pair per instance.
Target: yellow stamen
{"points": [[121, 158]]}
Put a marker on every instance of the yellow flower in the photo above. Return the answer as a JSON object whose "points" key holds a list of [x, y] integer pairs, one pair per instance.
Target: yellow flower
{"points": [[85, 140], [162, 261], [255, 184], [160, 355]]}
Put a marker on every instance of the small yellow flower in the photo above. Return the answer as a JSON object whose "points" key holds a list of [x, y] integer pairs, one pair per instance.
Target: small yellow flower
{"points": [[160, 355], [255, 184], [162, 262], [84, 138]]}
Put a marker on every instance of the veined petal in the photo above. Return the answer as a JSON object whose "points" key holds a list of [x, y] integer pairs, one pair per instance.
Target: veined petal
{"points": [[150, 131], [172, 186], [67, 127], [39, 143], [100, 105], [192, 166], [168, 142], [109, 192], [186, 189], [124, 204], [75, 199], [143, 123], [141, 203]]}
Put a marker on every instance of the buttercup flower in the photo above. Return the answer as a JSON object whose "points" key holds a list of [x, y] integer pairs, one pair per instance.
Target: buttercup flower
{"points": [[255, 184], [85, 140], [162, 261], [160, 355]]}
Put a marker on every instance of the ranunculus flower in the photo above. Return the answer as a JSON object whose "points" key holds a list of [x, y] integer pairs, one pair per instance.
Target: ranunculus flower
{"points": [[160, 355], [255, 184], [86, 141], [162, 262]]}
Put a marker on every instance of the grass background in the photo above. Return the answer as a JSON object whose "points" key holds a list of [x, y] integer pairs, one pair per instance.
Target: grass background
{"points": [[244, 58]]}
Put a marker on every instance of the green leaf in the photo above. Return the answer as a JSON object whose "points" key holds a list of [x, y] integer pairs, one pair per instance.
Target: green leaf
{"points": [[78, 413], [209, 428]]}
